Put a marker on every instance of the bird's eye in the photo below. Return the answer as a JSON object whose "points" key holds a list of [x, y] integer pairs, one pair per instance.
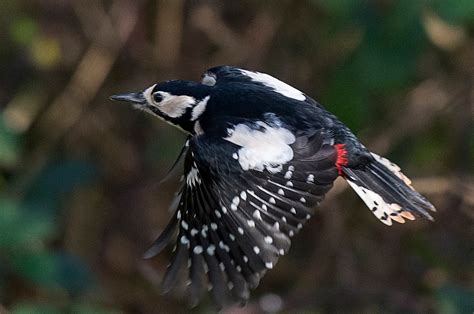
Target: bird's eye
{"points": [[157, 97]]}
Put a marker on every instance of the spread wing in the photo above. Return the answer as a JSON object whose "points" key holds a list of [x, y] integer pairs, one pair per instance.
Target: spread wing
{"points": [[234, 221]]}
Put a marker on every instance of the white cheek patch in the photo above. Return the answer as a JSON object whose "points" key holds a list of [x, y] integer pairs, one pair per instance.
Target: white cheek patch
{"points": [[174, 106], [171, 106], [275, 84], [262, 149]]}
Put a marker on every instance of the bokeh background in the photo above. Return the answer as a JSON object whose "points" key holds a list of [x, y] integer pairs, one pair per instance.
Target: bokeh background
{"points": [[79, 193]]}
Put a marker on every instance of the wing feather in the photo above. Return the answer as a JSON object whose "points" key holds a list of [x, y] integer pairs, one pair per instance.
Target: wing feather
{"points": [[234, 224]]}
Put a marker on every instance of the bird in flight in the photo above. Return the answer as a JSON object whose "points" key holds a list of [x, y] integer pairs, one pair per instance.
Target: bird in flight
{"points": [[259, 157]]}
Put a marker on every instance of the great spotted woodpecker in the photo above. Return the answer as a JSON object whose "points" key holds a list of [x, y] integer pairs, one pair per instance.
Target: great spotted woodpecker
{"points": [[260, 155]]}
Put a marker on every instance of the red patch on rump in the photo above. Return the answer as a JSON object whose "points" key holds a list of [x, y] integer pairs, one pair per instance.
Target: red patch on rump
{"points": [[341, 157]]}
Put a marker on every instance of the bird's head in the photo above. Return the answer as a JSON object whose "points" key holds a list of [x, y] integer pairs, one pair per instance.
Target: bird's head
{"points": [[178, 102]]}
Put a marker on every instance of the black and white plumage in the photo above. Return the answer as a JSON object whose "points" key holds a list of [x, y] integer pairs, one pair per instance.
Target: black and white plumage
{"points": [[259, 157]]}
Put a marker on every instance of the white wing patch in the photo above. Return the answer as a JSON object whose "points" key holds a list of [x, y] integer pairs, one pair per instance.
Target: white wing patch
{"points": [[275, 84], [262, 149], [383, 211], [393, 168]]}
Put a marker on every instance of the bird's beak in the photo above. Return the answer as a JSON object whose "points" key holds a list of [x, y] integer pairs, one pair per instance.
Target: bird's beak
{"points": [[136, 98]]}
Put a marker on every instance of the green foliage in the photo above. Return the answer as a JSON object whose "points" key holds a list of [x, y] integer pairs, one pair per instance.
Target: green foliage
{"points": [[339, 8], [455, 299], [23, 30], [34, 308], [383, 63], [27, 225], [85, 308], [9, 146], [22, 229], [56, 180], [76, 308], [455, 12], [50, 270]]}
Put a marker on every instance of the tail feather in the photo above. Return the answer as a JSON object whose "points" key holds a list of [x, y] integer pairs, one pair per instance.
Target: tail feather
{"points": [[387, 191]]}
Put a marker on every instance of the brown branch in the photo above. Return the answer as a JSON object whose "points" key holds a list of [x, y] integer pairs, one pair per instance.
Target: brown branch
{"points": [[234, 48]]}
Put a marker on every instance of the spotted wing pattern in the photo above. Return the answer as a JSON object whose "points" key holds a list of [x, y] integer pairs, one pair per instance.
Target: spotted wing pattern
{"points": [[233, 225]]}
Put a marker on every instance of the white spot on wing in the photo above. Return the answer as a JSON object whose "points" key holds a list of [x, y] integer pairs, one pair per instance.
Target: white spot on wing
{"points": [[210, 249], [256, 215], [236, 200], [256, 249], [267, 148], [268, 240], [275, 84], [192, 179], [235, 203], [184, 240]]}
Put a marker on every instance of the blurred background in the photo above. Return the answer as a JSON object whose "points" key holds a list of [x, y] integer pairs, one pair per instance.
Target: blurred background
{"points": [[79, 193]]}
